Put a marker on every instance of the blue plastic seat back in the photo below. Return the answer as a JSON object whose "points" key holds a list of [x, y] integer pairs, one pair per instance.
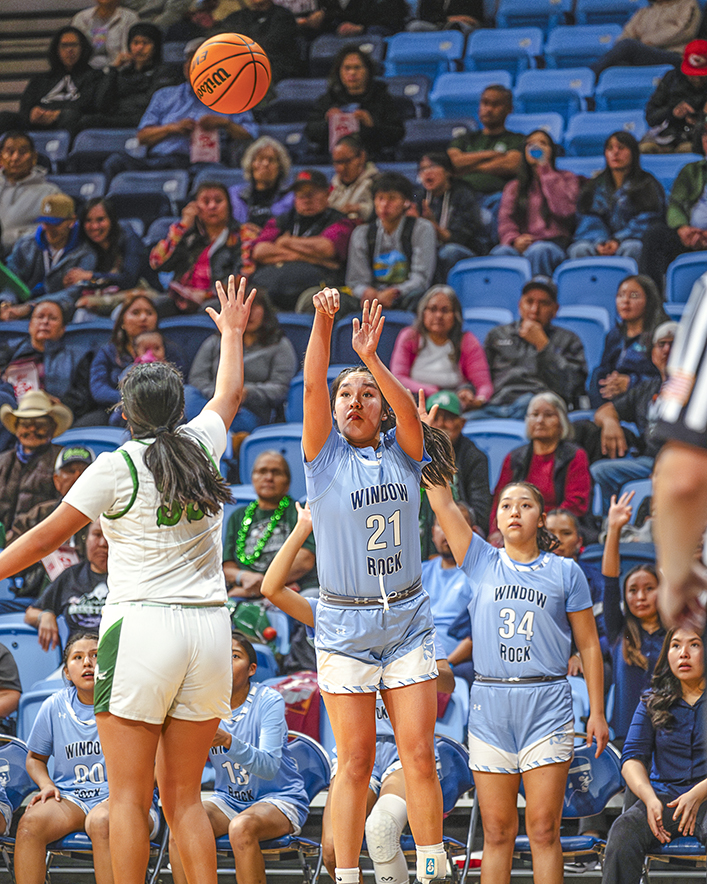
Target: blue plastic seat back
{"points": [[682, 274], [588, 167], [85, 337], [591, 781], [173, 183], [496, 438], [621, 88], [53, 144], [159, 229], [590, 12], [480, 320], [579, 45], [458, 95], [563, 91], [592, 281], [514, 49], [80, 186], [107, 141], [13, 770], [267, 664], [666, 167], [412, 89], [30, 703], [544, 14], [429, 53], [293, 408], [550, 122], [229, 177], [642, 488], [297, 328], [293, 100], [423, 136], [292, 136], [187, 334], [343, 353], [325, 47], [587, 132], [14, 331], [286, 439], [632, 553], [409, 170], [312, 763], [100, 439], [590, 324], [490, 282], [32, 662], [454, 774]]}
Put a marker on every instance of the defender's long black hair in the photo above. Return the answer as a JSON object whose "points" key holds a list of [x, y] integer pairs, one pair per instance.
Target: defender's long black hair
{"points": [[153, 404], [666, 689]]}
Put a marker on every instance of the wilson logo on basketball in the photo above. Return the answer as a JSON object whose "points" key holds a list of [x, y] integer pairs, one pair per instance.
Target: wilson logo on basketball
{"points": [[218, 78]]}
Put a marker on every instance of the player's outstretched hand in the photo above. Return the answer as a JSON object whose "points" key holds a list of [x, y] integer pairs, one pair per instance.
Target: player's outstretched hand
{"points": [[620, 511], [304, 516], [235, 307], [367, 330], [327, 302]]}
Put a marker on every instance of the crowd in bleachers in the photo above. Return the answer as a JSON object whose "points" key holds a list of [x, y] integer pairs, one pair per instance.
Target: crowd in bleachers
{"points": [[527, 201]]}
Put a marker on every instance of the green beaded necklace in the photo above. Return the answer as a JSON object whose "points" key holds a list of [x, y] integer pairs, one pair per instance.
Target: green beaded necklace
{"points": [[243, 559]]}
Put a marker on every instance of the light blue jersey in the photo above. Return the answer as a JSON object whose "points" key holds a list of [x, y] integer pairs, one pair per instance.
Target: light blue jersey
{"points": [[450, 592], [365, 504], [66, 729], [519, 611], [258, 766]]}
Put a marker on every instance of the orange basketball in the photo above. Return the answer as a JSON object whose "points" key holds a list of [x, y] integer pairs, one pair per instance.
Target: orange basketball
{"points": [[230, 73]]}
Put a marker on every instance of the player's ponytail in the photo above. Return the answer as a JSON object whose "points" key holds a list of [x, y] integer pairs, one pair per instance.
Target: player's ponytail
{"points": [[184, 473], [441, 470]]}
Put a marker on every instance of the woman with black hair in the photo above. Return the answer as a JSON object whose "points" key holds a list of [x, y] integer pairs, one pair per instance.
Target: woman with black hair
{"points": [[70, 89], [353, 88], [663, 761], [164, 676], [537, 212], [269, 364], [617, 207]]}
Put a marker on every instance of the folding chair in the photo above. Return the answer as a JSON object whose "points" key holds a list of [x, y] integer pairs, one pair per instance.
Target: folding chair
{"points": [[283, 438], [587, 167], [410, 91], [292, 136], [18, 785], [579, 45], [92, 147], [642, 488], [315, 768], [683, 849], [293, 100], [85, 337]]}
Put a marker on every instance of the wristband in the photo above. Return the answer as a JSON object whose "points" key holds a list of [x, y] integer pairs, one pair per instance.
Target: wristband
{"points": [[238, 580]]}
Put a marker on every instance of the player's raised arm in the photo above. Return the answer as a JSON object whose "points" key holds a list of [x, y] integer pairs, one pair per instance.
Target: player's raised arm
{"points": [[317, 410]]}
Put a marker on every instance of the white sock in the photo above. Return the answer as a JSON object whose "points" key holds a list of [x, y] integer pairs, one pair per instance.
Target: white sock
{"points": [[431, 861], [383, 829], [347, 876]]}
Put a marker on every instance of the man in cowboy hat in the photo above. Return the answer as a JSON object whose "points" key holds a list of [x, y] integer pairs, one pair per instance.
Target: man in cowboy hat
{"points": [[27, 471]]}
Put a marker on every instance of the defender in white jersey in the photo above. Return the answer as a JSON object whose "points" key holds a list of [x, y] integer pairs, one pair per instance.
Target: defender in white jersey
{"points": [[164, 675], [258, 792], [526, 606], [374, 625]]}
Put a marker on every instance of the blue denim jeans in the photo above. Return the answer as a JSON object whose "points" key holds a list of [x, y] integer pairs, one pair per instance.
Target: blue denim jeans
{"points": [[544, 256]]}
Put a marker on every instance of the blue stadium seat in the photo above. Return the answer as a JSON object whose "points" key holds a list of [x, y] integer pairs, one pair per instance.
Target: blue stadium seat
{"points": [[93, 146], [665, 167], [588, 167], [229, 177], [628, 88], [513, 49], [422, 136], [495, 437], [592, 281], [683, 849], [81, 187], [409, 170], [642, 488], [596, 12], [480, 320], [18, 785], [579, 45], [586, 133], [550, 122], [293, 407], [159, 229], [54, 145], [173, 183], [430, 53], [591, 325], [87, 337], [563, 91], [32, 662], [544, 14], [242, 496], [343, 353], [293, 137], [100, 439], [682, 274], [414, 90], [14, 332], [297, 328], [455, 95], [267, 664], [293, 100], [283, 438], [187, 333], [490, 282], [325, 47]]}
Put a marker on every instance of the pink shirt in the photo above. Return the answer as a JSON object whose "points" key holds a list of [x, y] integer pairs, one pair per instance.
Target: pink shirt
{"points": [[560, 190]]}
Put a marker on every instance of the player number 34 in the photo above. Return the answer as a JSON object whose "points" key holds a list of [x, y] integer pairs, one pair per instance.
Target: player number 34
{"points": [[509, 628]]}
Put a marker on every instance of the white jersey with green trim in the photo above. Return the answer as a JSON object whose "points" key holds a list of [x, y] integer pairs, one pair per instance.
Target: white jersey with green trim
{"points": [[154, 555]]}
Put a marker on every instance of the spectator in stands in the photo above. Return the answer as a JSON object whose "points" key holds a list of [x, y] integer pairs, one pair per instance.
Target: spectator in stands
{"points": [[10, 693], [450, 205], [635, 634], [487, 159], [471, 481], [435, 353], [266, 166], [673, 111], [23, 186], [133, 78], [59, 98], [443, 15], [616, 208], [532, 355], [162, 13], [354, 91], [626, 359], [635, 406], [686, 227], [269, 364], [537, 212], [655, 34], [256, 532], [355, 17], [274, 28], [26, 472], [551, 461], [201, 248], [166, 127], [43, 259], [106, 25], [663, 762], [78, 594], [393, 257], [352, 185], [45, 362], [303, 247]]}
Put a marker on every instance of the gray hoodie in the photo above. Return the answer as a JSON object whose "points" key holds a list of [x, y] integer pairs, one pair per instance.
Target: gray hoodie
{"points": [[20, 204]]}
